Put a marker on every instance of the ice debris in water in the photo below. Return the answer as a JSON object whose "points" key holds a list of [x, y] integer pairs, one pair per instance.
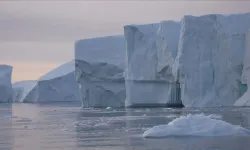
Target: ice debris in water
{"points": [[214, 116], [108, 108], [195, 125]]}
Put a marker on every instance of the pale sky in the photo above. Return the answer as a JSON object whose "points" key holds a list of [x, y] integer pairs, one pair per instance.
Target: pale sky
{"points": [[35, 37]]}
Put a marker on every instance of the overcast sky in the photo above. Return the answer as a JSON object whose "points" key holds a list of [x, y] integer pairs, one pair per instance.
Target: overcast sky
{"points": [[38, 36]]}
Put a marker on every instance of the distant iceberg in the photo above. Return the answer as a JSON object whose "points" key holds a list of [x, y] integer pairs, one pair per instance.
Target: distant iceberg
{"points": [[58, 85], [5, 83], [24, 91], [195, 125]]}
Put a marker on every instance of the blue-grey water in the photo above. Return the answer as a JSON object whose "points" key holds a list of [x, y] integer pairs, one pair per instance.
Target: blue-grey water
{"points": [[68, 127]]}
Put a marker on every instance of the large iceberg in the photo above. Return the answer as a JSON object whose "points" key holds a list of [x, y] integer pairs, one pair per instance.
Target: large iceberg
{"points": [[245, 99], [210, 59], [5, 83], [99, 71], [196, 125], [58, 85], [151, 51]]}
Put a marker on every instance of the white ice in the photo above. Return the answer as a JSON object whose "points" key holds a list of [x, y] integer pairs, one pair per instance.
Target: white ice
{"points": [[153, 46], [210, 59], [5, 83], [58, 85], [99, 71], [195, 125], [245, 99], [24, 91]]}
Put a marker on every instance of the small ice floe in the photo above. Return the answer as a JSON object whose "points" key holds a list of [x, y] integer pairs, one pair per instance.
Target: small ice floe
{"points": [[101, 124], [10, 117], [214, 116], [172, 116], [195, 125], [108, 108]]}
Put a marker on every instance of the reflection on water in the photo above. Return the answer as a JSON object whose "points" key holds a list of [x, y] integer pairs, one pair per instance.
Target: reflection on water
{"points": [[53, 127]]}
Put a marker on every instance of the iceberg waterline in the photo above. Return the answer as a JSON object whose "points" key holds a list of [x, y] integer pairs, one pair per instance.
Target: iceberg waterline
{"points": [[196, 125]]}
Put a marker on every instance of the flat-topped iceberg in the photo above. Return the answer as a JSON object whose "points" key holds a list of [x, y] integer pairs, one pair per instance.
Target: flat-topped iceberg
{"points": [[5, 83], [151, 51], [196, 125], [99, 64], [210, 59]]}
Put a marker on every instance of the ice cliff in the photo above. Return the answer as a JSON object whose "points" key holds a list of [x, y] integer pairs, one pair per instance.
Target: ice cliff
{"points": [[5, 83], [245, 99], [210, 59], [99, 71], [150, 54], [58, 85]]}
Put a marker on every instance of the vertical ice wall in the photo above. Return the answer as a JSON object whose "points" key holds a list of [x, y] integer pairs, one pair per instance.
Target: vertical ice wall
{"points": [[5, 83], [99, 71], [245, 99], [151, 51], [211, 50]]}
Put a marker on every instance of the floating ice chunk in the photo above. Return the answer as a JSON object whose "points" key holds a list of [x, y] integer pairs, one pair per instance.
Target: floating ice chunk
{"points": [[108, 108], [195, 125], [101, 124], [214, 116]]}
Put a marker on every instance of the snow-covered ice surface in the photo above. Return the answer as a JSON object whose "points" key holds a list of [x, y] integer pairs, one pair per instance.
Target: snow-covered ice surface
{"points": [[5, 83], [58, 85], [210, 59], [99, 71], [245, 99], [155, 47], [24, 91], [195, 125], [109, 49]]}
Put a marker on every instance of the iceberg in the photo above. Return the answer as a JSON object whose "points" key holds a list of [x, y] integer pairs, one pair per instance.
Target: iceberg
{"points": [[58, 85], [5, 83], [24, 91], [196, 125], [210, 53], [151, 52], [99, 65], [245, 99]]}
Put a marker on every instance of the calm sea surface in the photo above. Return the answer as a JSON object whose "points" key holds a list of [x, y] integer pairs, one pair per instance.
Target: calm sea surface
{"points": [[68, 127]]}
